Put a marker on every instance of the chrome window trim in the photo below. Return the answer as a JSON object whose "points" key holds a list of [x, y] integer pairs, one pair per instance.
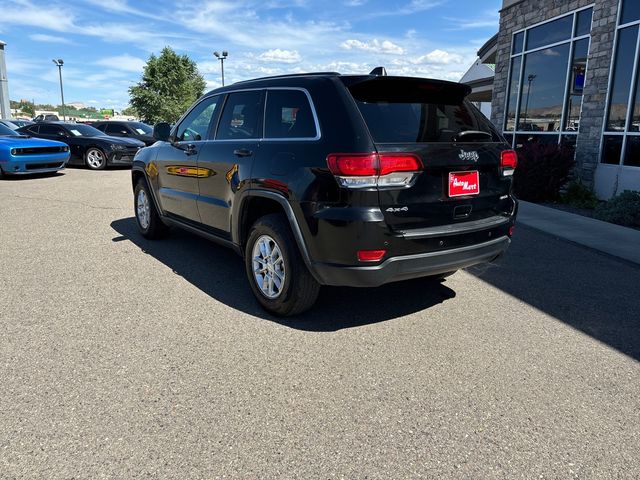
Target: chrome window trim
{"points": [[571, 40], [287, 139], [264, 112]]}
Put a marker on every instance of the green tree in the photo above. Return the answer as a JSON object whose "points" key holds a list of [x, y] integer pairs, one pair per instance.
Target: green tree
{"points": [[129, 112], [170, 84]]}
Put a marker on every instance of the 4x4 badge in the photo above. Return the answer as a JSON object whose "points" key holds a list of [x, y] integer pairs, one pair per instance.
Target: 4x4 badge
{"points": [[471, 156], [396, 210]]}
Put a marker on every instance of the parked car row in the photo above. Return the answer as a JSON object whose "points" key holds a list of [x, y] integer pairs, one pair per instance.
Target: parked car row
{"points": [[88, 145]]}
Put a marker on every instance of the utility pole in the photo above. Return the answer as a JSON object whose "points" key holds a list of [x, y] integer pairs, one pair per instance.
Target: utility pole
{"points": [[5, 107], [222, 57], [59, 63]]}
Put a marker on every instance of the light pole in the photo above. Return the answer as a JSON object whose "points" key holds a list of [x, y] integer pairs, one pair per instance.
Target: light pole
{"points": [[221, 57], [59, 63], [530, 79]]}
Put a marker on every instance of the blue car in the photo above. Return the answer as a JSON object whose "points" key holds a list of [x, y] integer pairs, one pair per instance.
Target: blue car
{"points": [[21, 155]]}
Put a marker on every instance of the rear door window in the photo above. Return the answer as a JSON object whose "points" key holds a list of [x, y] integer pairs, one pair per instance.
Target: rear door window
{"points": [[289, 115], [417, 111], [241, 116]]}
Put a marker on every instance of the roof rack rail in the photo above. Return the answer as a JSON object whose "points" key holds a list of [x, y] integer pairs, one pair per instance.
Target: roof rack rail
{"points": [[309, 74]]}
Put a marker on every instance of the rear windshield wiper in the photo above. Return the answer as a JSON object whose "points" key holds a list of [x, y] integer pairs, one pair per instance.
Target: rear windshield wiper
{"points": [[471, 133]]}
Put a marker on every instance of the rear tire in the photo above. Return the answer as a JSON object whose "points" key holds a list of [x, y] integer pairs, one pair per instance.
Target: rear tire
{"points": [[147, 217], [277, 274]]}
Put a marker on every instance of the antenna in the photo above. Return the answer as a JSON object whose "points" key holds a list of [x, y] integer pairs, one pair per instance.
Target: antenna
{"points": [[379, 72]]}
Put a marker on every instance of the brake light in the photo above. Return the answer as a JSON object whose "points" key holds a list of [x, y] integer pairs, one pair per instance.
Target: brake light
{"points": [[362, 170], [508, 162], [371, 255]]}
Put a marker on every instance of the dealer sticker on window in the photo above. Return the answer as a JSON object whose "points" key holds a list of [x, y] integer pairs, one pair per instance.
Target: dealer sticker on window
{"points": [[464, 183]]}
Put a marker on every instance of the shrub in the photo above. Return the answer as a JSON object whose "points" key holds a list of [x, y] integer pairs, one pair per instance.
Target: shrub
{"points": [[623, 209], [542, 171], [579, 196]]}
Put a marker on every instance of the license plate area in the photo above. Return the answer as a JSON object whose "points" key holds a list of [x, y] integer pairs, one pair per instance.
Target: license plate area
{"points": [[462, 184]]}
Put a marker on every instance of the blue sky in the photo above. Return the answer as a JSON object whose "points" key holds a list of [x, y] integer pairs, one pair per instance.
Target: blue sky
{"points": [[104, 43]]}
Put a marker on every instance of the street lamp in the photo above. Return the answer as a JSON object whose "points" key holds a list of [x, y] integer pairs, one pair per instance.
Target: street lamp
{"points": [[530, 79], [59, 63], [221, 57]]}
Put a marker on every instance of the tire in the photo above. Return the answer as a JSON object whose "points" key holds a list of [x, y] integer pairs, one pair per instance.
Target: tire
{"points": [[147, 217], [95, 159], [299, 290]]}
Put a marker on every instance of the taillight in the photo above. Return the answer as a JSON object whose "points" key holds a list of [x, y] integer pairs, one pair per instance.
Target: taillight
{"points": [[508, 162], [362, 170]]}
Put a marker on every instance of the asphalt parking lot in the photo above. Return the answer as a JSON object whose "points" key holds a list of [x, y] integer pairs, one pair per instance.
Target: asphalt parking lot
{"points": [[124, 358]]}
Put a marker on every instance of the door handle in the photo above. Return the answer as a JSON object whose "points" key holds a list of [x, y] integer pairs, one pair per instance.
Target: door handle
{"points": [[190, 149], [242, 152]]}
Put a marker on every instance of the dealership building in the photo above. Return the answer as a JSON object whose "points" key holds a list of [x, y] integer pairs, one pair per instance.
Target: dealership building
{"points": [[566, 72]]}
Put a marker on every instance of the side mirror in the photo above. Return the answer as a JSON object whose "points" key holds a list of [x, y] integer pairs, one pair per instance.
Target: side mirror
{"points": [[162, 131]]}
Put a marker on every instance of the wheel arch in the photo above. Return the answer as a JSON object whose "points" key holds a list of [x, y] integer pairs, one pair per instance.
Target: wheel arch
{"points": [[257, 203]]}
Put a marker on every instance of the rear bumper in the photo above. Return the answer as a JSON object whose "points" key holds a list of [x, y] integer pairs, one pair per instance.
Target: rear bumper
{"points": [[411, 266]]}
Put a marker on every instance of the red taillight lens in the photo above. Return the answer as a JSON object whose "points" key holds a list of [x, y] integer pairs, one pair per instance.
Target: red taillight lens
{"points": [[509, 159], [353, 164], [371, 255], [399, 162], [362, 170]]}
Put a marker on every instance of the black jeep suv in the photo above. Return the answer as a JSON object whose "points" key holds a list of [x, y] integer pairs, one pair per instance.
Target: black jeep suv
{"points": [[329, 179]]}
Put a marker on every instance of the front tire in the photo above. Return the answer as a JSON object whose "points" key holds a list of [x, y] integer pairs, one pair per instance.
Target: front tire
{"points": [[147, 217], [277, 274], [95, 159]]}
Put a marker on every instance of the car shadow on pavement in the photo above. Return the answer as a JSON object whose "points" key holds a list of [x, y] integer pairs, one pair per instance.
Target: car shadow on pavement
{"points": [[219, 273], [591, 292]]}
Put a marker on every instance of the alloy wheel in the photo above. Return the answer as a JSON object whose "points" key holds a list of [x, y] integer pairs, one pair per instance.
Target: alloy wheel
{"points": [[268, 267], [143, 210]]}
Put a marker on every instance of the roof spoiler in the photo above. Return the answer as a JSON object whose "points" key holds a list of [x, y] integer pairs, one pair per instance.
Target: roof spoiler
{"points": [[379, 72]]}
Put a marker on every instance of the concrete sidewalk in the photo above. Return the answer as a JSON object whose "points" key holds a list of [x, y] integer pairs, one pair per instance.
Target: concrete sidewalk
{"points": [[621, 242]]}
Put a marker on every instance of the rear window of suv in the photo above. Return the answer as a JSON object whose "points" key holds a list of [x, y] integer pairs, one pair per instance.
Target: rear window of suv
{"points": [[401, 110]]}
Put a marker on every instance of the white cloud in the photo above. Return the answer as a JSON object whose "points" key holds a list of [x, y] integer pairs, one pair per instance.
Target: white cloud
{"points": [[415, 6], [375, 45], [126, 62], [280, 56], [439, 57], [40, 37]]}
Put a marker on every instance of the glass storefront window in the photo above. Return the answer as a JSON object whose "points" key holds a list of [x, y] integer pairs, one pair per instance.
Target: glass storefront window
{"points": [[550, 33], [622, 73], [611, 149], [569, 141], [542, 95], [630, 11], [632, 154], [583, 22], [522, 140], [576, 85], [518, 40], [513, 94], [546, 79]]}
